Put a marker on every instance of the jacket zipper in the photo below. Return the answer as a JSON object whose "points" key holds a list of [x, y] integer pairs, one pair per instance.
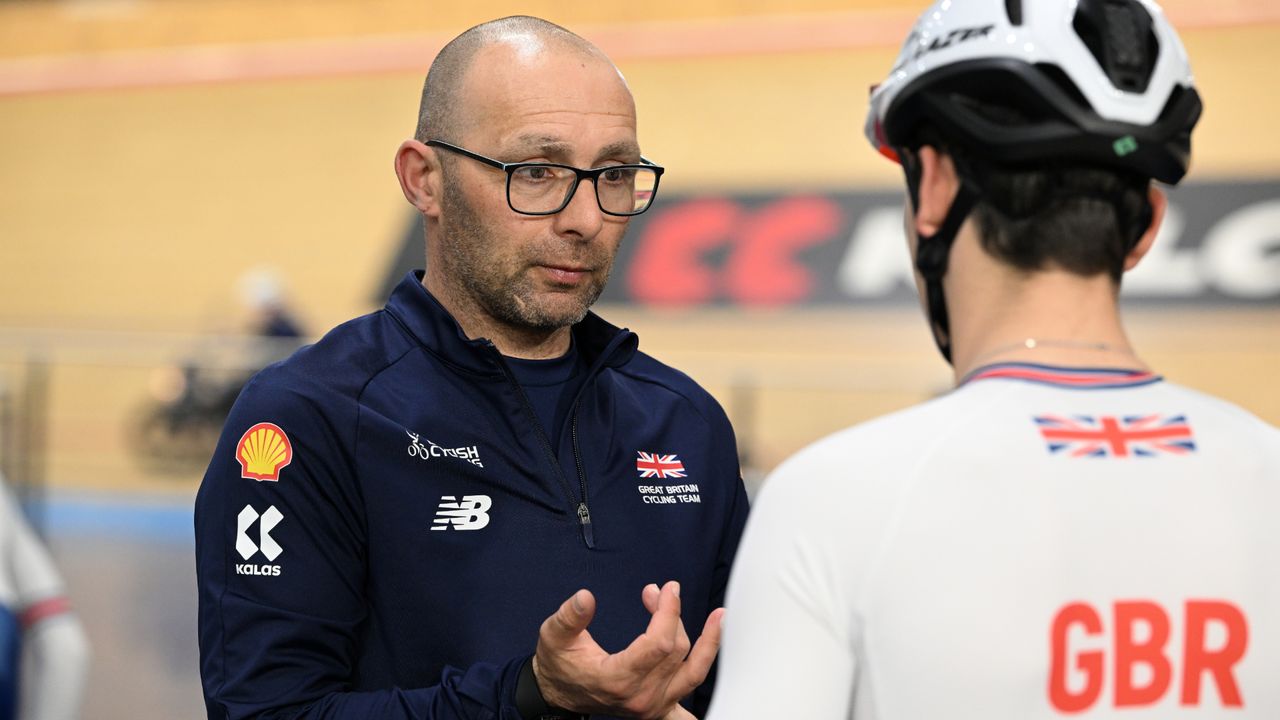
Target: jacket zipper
{"points": [[580, 507], [584, 514]]}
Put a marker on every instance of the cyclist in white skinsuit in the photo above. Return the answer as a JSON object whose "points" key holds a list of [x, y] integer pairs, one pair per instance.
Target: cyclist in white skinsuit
{"points": [[1065, 534], [43, 651]]}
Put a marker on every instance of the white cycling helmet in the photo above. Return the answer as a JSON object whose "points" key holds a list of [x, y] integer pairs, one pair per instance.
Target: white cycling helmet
{"points": [[1017, 83], [1102, 82]]}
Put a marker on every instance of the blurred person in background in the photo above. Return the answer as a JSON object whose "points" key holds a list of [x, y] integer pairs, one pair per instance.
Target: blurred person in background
{"points": [[420, 515], [44, 655], [1065, 532], [262, 293], [174, 432]]}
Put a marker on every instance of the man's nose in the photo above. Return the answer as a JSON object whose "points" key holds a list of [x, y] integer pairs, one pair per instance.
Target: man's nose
{"points": [[582, 216]]}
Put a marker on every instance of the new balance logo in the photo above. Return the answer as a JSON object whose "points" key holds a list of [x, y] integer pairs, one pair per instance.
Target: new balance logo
{"points": [[469, 513], [266, 545]]}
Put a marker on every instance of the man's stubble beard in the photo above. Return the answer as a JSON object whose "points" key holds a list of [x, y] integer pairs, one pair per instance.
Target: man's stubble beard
{"points": [[471, 266]]}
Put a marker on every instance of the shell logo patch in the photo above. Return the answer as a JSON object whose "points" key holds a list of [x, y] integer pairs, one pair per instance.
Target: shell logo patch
{"points": [[264, 450]]}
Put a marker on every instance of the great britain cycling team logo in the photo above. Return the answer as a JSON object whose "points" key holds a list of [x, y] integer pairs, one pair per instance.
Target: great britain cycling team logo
{"points": [[263, 451], [1107, 436], [656, 467]]}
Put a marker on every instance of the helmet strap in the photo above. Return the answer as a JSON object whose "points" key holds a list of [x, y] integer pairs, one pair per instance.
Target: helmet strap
{"points": [[933, 251]]}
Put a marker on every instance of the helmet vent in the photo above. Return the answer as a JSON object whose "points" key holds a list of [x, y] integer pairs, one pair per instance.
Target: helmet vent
{"points": [[1119, 35], [1013, 8], [1060, 78]]}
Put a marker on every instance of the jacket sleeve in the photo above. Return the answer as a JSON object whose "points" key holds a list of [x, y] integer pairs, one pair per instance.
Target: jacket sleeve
{"points": [[735, 521], [280, 563]]}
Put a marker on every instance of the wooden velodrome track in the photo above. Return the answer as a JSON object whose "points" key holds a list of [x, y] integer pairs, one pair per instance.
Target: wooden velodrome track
{"points": [[154, 151]]}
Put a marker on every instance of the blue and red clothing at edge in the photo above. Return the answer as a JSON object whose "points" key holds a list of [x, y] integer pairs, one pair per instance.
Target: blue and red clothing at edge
{"points": [[1063, 376], [12, 627], [413, 526], [43, 652]]}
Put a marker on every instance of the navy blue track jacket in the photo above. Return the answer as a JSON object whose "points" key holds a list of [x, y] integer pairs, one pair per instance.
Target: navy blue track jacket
{"points": [[384, 526]]}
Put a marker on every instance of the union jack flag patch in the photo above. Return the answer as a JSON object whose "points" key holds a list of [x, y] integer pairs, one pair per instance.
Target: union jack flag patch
{"points": [[653, 465], [1108, 436]]}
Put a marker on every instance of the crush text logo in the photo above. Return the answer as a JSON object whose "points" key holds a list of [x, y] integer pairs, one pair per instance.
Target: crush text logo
{"points": [[429, 450], [469, 513], [265, 544]]}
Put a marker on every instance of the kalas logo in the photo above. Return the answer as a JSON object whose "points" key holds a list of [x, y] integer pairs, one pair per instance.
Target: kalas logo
{"points": [[266, 544]]}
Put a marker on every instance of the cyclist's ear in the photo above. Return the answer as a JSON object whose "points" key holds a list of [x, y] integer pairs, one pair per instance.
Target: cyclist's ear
{"points": [[1159, 203], [939, 185]]}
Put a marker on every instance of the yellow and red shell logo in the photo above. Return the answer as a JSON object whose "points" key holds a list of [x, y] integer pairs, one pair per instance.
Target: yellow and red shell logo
{"points": [[264, 451]]}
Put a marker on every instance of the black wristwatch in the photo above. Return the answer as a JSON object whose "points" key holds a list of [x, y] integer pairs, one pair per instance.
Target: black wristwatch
{"points": [[530, 703]]}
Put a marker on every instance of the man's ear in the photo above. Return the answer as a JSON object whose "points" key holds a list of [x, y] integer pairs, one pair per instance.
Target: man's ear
{"points": [[1159, 203], [418, 169], [939, 185]]}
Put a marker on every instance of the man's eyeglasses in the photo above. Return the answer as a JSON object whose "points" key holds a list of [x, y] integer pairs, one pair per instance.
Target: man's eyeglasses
{"points": [[538, 188]]}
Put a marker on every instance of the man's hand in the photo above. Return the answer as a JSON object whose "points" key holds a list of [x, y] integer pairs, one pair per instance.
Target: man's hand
{"points": [[645, 680], [679, 713]]}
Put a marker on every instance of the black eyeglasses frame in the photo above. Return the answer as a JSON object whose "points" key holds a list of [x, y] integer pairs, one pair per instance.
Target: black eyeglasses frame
{"points": [[580, 175]]}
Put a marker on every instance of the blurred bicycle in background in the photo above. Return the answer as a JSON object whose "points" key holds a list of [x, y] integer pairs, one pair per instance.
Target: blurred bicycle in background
{"points": [[175, 431]]}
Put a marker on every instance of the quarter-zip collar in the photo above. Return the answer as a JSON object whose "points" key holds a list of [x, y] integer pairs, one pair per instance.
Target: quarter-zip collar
{"points": [[422, 315]]}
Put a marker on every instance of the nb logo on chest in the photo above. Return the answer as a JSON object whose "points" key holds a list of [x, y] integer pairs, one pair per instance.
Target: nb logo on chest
{"points": [[469, 513]]}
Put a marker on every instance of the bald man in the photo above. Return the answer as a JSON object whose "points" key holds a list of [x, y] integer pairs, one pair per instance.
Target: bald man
{"points": [[481, 501]]}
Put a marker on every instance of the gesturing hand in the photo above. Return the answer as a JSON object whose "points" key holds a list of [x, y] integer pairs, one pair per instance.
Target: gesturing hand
{"points": [[645, 680]]}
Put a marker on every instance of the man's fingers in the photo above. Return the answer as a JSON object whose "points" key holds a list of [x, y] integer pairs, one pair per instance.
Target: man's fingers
{"points": [[695, 669], [677, 655], [573, 617], [650, 597], [661, 638], [566, 653], [665, 625], [704, 651]]}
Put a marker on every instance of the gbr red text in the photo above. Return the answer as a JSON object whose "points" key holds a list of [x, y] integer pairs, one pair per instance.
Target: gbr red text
{"points": [[1130, 647]]}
